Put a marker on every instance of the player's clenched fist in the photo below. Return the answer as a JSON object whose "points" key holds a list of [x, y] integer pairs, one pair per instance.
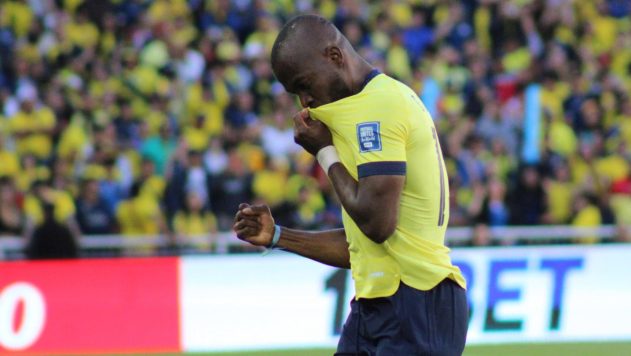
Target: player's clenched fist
{"points": [[254, 224]]}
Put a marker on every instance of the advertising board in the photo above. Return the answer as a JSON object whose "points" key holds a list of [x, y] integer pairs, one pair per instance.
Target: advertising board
{"points": [[245, 302], [89, 306], [516, 294]]}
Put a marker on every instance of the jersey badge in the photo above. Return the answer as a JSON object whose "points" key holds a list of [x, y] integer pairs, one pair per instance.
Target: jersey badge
{"points": [[369, 137]]}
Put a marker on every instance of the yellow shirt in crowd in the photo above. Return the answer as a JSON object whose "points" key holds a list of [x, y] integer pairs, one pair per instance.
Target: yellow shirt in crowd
{"points": [[34, 125], [138, 216], [195, 224], [63, 204], [9, 164]]}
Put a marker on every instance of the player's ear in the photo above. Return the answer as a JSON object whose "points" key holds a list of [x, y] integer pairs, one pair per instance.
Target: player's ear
{"points": [[334, 54]]}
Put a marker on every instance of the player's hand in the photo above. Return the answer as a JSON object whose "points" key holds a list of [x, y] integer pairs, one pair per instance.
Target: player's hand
{"points": [[254, 224], [311, 134]]}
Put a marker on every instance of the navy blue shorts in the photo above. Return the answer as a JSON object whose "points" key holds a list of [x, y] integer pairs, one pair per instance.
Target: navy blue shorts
{"points": [[411, 322]]}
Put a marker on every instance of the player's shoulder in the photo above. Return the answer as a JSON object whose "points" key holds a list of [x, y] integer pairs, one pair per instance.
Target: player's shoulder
{"points": [[391, 97], [394, 93]]}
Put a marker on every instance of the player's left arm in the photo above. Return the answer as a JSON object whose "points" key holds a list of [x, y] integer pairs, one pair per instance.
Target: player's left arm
{"points": [[372, 201]]}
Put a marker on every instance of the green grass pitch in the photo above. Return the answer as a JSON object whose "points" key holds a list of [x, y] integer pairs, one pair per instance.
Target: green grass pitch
{"points": [[551, 349]]}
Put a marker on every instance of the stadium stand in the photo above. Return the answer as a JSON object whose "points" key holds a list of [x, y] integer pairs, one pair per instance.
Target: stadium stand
{"points": [[160, 117]]}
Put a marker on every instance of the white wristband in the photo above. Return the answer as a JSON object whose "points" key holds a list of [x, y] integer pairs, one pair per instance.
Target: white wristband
{"points": [[275, 239], [326, 157]]}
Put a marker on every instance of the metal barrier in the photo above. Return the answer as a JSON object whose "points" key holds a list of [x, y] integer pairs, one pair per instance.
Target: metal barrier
{"points": [[224, 241]]}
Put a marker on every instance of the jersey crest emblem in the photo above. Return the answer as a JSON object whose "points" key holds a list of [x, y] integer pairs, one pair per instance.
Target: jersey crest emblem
{"points": [[369, 137]]}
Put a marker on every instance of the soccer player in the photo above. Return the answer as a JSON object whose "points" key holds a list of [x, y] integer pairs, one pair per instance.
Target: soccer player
{"points": [[377, 143]]}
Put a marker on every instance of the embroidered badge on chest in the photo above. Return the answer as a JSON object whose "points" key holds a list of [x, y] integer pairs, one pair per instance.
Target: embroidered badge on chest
{"points": [[369, 137]]}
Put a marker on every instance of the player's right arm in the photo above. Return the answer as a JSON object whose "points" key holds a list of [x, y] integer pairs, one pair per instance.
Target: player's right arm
{"points": [[255, 225]]}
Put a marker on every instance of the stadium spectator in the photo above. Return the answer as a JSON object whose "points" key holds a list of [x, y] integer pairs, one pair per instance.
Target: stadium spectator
{"points": [[229, 189], [587, 214], [10, 166], [488, 205], [240, 114], [61, 202], [528, 201], [278, 137], [51, 228], [33, 125], [560, 191], [149, 182], [481, 236], [215, 157], [491, 126], [93, 215], [159, 148], [11, 214], [458, 214], [195, 220], [197, 178], [418, 36], [110, 180], [140, 215], [50, 239]]}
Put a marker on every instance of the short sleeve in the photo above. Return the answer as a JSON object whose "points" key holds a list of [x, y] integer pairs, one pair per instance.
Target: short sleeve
{"points": [[381, 146]]}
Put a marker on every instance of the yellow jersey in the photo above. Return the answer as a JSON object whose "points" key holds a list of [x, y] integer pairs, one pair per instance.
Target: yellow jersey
{"points": [[385, 129], [62, 202], [139, 216], [195, 223], [10, 166], [32, 124]]}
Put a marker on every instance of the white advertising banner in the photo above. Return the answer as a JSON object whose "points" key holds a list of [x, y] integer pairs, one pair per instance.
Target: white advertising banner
{"points": [[525, 294], [251, 302], [542, 294]]}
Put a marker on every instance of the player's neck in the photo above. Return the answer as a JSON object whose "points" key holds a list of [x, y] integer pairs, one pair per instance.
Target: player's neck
{"points": [[359, 71]]}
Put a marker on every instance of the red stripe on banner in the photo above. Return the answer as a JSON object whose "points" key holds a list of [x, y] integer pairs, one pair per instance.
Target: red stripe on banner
{"points": [[89, 306]]}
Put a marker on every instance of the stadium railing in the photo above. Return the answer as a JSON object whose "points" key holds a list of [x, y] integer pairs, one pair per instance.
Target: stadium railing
{"points": [[12, 246]]}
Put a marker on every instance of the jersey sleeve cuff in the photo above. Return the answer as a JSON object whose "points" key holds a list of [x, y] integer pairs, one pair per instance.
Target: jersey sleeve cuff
{"points": [[384, 168]]}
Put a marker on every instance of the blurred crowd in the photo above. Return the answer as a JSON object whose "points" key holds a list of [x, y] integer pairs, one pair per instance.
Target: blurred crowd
{"points": [[160, 116]]}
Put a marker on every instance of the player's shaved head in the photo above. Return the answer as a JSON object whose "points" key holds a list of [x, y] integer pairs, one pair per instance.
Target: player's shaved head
{"points": [[306, 34], [312, 59]]}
